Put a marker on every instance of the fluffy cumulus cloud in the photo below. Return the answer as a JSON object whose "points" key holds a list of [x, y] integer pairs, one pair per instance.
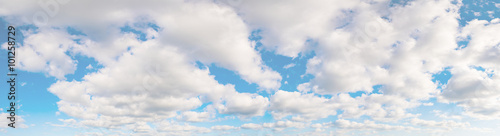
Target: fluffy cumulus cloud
{"points": [[474, 84], [287, 25], [152, 90], [374, 62], [441, 124], [45, 51], [381, 47], [20, 121], [307, 105]]}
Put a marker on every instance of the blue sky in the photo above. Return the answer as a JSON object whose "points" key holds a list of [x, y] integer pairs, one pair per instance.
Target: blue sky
{"points": [[224, 68]]}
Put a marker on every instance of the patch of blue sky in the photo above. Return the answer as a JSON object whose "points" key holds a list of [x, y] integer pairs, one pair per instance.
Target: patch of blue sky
{"points": [[478, 9], [202, 107], [232, 120], [225, 76], [442, 77], [136, 29], [291, 76], [479, 68], [463, 43], [295, 72], [74, 31], [433, 112], [394, 3], [376, 89], [147, 24], [329, 118], [128, 29], [488, 72], [84, 66], [38, 105], [31, 86]]}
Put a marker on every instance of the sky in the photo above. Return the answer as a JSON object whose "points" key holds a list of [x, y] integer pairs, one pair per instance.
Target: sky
{"points": [[253, 67]]}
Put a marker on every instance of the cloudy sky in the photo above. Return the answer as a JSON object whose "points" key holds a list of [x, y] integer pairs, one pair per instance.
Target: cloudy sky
{"points": [[253, 67]]}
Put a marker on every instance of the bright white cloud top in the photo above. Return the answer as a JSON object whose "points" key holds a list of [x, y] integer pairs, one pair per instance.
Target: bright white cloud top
{"points": [[258, 67]]}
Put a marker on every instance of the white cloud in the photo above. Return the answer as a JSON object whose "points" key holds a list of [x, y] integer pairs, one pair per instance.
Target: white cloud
{"points": [[153, 90], [376, 51], [251, 126], [477, 14], [45, 51], [104, 96], [281, 125], [308, 106], [428, 104], [174, 128], [358, 45], [223, 127], [89, 67], [222, 38], [289, 66], [446, 115], [142, 81], [386, 108], [19, 122], [244, 104], [192, 116], [440, 124], [366, 125], [286, 25], [475, 91], [66, 123]]}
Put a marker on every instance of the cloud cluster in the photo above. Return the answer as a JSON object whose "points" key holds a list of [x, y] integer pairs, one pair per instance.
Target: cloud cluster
{"points": [[474, 84], [150, 82], [146, 79], [307, 107]]}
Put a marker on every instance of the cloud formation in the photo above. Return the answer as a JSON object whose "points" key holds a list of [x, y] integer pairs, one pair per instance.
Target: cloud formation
{"points": [[374, 63]]}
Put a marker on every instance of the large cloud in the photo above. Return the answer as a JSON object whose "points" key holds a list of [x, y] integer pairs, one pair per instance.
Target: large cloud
{"points": [[208, 32], [387, 49], [307, 107], [144, 85], [45, 51], [286, 25], [474, 84]]}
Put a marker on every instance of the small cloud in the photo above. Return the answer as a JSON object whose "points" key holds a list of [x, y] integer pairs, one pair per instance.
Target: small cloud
{"points": [[428, 104], [490, 14], [286, 82], [89, 67], [477, 14], [224, 127], [23, 83], [289, 66]]}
